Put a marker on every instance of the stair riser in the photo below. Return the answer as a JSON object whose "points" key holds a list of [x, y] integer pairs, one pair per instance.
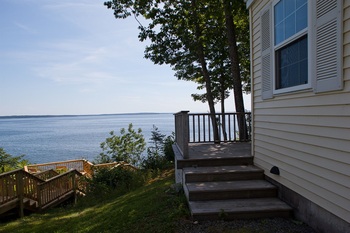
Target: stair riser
{"points": [[226, 195], [240, 215], [214, 162], [223, 177]]}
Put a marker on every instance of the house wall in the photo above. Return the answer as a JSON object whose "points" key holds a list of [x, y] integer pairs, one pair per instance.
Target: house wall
{"points": [[305, 134]]}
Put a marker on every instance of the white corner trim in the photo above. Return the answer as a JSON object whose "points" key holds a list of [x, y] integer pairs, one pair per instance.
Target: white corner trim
{"points": [[249, 2]]}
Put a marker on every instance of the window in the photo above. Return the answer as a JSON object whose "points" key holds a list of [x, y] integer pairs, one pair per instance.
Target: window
{"points": [[290, 45], [301, 46]]}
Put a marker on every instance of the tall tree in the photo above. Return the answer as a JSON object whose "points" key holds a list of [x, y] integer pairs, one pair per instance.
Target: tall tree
{"points": [[235, 61], [191, 37]]}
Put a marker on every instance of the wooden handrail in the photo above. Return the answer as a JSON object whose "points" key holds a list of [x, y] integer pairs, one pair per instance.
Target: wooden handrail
{"points": [[80, 165], [65, 165], [8, 184], [45, 188], [45, 175], [56, 187], [197, 128]]}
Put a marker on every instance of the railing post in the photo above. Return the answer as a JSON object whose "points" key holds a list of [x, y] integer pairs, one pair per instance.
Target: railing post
{"points": [[74, 184], [182, 132], [20, 192], [185, 135], [39, 195]]}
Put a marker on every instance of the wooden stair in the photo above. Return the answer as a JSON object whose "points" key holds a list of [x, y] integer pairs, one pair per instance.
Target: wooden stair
{"points": [[229, 188]]}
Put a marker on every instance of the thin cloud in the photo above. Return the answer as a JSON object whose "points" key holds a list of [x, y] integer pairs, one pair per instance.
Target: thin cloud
{"points": [[25, 28]]}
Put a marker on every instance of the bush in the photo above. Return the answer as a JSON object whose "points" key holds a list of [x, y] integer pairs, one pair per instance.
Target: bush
{"points": [[160, 153], [127, 147], [118, 179], [168, 147], [9, 162]]}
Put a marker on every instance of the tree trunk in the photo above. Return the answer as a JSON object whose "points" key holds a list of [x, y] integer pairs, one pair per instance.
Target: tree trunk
{"points": [[223, 120], [237, 82], [201, 58]]}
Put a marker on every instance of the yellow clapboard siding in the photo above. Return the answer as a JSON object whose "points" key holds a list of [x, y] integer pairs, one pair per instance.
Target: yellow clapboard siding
{"points": [[341, 133], [337, 169], [306, 189], [334, 144]]}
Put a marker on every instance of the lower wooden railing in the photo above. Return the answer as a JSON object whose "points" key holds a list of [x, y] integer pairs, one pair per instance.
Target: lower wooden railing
{"points": [[62, 166], [57, 188], [17, 185], [47, 187], [81, 165], [45, 175]]}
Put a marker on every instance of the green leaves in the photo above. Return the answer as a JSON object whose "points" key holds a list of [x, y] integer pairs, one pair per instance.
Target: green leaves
{"points": [[9, 162], [127, 147]]}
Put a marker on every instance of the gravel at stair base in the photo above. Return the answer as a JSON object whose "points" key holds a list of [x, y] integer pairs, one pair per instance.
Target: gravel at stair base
{"points": [[274, 225]]}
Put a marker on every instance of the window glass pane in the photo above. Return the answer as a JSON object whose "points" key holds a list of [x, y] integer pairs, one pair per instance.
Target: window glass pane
{"points": [[289, 26], [303, 49], [291, 64], [279, 33], [301, 18], [284, 78], [303, 72], [290, 17], [299, 3], [279, 16], [289, 7]]}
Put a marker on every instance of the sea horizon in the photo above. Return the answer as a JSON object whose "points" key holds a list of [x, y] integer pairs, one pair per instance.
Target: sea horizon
{"points": [[78, 115]]}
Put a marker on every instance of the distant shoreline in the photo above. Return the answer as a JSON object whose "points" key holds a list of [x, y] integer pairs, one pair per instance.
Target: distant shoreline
{"points": [[108, 114]]}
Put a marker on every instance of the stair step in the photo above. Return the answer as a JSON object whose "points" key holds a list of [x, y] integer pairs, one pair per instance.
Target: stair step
{"points": [[239, 209], [215, 161], [222, 173], [30, 204], [201, 191]]}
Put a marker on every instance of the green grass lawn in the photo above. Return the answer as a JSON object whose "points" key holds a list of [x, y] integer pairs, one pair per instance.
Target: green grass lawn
{"points": [[154, 207]]}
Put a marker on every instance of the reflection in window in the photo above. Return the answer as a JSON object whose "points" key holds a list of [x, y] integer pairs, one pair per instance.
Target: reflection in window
{"points": [[291, 64], [290, 17]]}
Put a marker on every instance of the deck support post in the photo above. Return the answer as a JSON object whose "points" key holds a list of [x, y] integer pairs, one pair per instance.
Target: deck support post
{"points": [[74, 183], [39, 196], [20, 193]]}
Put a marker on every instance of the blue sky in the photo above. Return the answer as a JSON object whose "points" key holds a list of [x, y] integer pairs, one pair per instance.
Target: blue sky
{"points": [[74, 57]]}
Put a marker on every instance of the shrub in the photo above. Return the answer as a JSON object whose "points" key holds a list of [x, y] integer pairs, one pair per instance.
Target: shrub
{"points": [[118, 179], [9, 162], [127, 147], [168, 147], [160, 153]]}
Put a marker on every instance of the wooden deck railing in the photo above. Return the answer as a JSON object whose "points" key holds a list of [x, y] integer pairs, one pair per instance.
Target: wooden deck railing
{"points": [[45, 175], [47, 187], [17, 185], [198, 128], [81, 165], [57, 187]]}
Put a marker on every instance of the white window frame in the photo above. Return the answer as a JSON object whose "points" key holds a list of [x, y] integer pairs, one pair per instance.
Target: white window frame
{"points": [[296, 36]]}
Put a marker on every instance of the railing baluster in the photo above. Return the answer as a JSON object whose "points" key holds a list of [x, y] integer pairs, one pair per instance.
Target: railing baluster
{"points": [[194, 128], [204, 134], [199, 127], [209, 127], [229, 127]]}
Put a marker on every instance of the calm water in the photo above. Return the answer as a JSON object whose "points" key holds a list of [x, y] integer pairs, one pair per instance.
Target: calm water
{"points": [[48, 139]]}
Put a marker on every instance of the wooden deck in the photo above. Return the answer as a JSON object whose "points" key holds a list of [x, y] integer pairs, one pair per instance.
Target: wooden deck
{"points": [[222, 150]]}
